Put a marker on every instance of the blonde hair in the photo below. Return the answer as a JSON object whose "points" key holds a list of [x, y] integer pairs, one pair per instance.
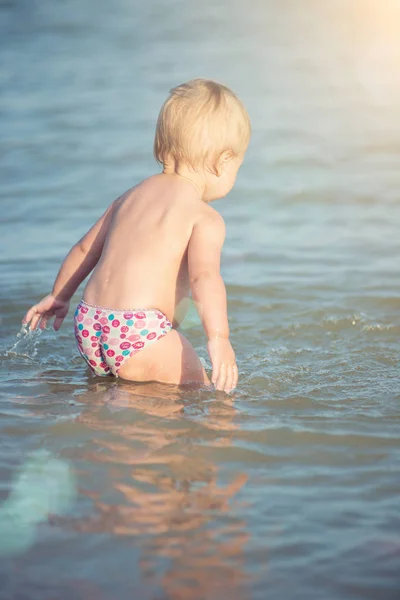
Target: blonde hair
{"points": [[198, 122]]}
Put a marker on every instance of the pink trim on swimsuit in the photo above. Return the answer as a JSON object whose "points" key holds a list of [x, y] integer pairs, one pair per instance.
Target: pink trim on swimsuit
{"points": [[107, 337]]}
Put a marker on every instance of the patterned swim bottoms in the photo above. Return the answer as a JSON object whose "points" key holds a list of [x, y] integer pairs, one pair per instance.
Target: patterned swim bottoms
{"points": [[107, 337]]}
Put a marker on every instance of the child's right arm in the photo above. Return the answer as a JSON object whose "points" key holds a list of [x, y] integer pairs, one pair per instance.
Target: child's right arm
{"points": [[77, 265], [209, 294]]}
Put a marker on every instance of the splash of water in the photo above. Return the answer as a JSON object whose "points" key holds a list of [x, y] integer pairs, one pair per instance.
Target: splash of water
{"points": [[26, 344]]}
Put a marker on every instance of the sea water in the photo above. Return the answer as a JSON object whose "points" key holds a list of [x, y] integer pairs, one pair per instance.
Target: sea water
{"points": [[288, 488]]}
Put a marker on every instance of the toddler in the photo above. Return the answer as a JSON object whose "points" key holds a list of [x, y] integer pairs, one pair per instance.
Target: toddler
{"points": [[153, 244]]}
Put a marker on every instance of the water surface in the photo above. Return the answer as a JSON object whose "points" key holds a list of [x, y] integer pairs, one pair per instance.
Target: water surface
{"points": [[290, 487]]}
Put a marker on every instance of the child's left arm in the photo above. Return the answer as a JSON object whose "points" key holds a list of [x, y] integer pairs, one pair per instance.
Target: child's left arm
{"points": [[77, 265]]}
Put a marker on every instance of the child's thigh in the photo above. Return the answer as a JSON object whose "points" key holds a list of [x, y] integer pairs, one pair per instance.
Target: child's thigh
{"points": [[172, 359]]}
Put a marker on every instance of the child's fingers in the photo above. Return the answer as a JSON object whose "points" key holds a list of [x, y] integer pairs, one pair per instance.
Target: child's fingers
{"points": [[221, 381], [29, 315], [35, 320], [215, 374], [229, 379], [235, 376], [57, 323]]}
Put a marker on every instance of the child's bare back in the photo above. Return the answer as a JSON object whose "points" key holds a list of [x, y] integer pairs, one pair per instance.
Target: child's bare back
{"points": [[155, 244], [144, 259], [144, 264]]}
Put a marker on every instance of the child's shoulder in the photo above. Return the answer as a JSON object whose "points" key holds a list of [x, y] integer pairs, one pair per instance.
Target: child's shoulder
{"points": [[208, 214], [209, 224]]}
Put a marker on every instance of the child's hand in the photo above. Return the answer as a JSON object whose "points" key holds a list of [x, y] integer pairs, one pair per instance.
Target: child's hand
{"points": [[46, 309], [224, 369]]}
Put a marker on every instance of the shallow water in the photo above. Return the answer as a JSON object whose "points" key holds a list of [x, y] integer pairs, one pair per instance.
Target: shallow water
{"points": [[290, 487]]}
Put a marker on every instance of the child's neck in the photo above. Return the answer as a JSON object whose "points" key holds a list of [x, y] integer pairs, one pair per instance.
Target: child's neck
{"points": [[193, 177]]}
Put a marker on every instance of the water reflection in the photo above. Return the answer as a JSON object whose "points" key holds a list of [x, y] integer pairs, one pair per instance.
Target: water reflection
{"points": [[163, 486]]}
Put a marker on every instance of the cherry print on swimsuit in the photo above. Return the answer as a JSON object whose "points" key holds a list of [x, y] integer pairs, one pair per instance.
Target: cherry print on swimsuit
{"points": [[106, 337]]}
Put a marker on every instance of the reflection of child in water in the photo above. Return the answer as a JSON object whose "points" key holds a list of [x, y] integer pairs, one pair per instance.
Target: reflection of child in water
{"points": [[171, 499], [153, 244]]}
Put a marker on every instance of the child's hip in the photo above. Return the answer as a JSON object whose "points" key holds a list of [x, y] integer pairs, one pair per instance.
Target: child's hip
{"points": [[107, 337]]}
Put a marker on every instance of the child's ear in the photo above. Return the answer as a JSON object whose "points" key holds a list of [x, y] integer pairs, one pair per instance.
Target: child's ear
{"points": [[222, 161]]}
